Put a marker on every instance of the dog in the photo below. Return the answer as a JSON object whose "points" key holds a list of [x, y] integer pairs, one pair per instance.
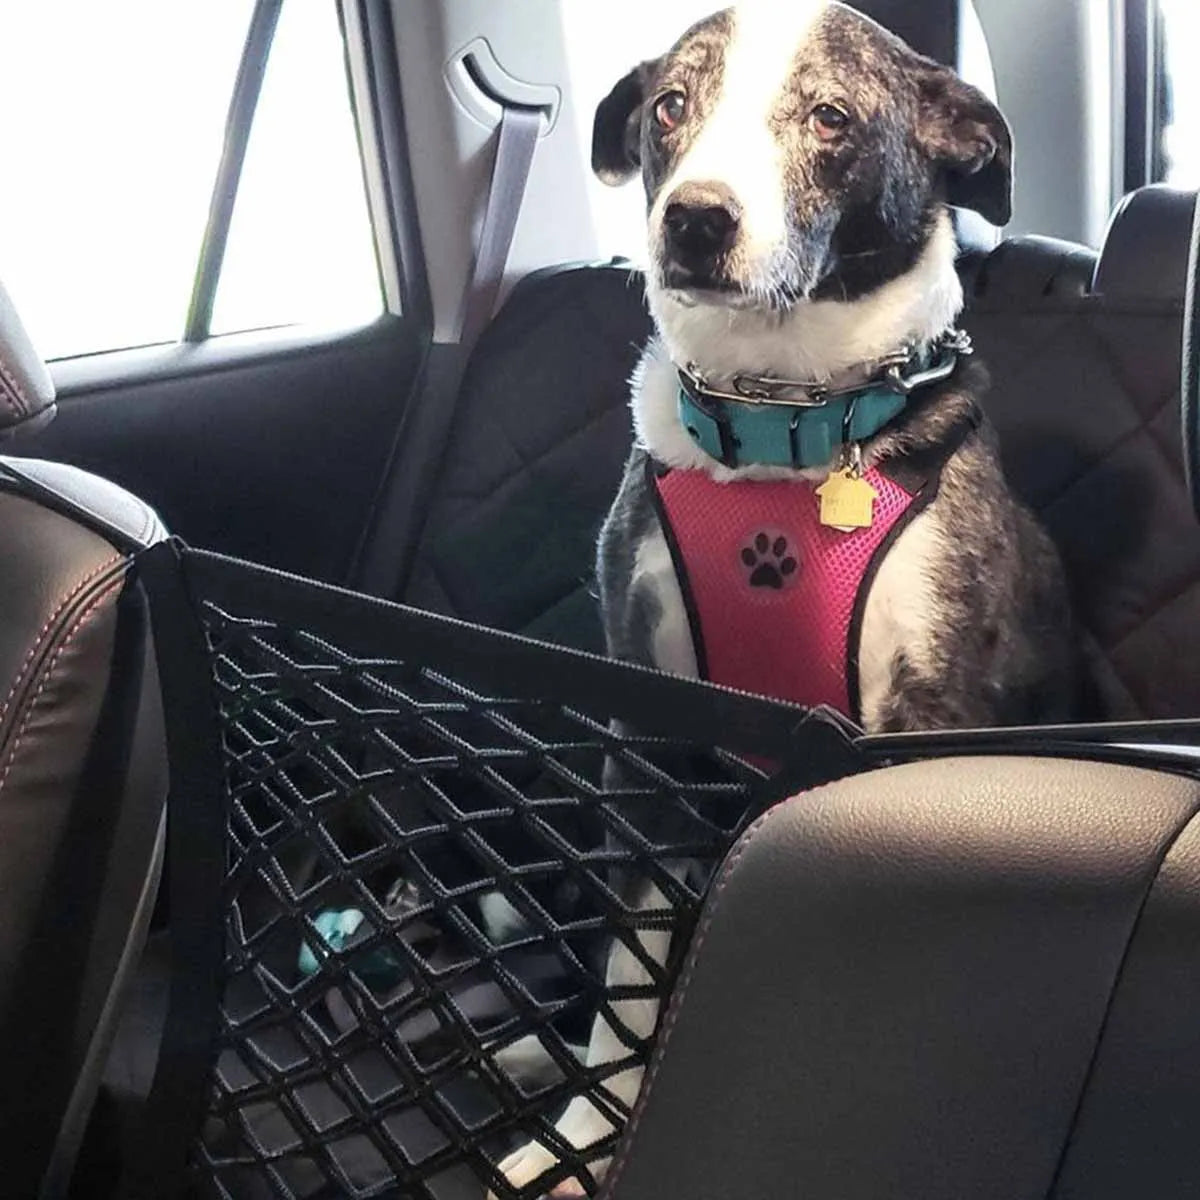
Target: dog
{"points": [[806, 400]]}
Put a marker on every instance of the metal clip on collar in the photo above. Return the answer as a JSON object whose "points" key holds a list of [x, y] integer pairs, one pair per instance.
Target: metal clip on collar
{"points": [[812, 393], [954, 345]]}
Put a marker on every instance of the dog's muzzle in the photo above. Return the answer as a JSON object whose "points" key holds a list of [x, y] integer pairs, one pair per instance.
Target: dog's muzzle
{"points": [[701, 224]]}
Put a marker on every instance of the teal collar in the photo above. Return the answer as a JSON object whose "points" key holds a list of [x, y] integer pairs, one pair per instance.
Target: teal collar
{"points": [[763, 421]]}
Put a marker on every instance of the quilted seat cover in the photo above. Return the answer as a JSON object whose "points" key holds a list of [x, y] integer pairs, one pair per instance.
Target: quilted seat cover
{"points": [[1085, 397]]}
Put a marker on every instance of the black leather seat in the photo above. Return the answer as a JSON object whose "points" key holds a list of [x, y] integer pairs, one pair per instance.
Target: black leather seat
{"points": [[973, 977], [82, 780]]}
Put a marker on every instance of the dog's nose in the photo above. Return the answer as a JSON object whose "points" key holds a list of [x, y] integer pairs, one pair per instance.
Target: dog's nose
{"points": [[700, 223]]}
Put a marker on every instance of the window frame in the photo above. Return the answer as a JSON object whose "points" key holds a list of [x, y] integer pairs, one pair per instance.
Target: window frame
{"points": [[1145, 92], [243, 104], [372, 67], [372, 80]]}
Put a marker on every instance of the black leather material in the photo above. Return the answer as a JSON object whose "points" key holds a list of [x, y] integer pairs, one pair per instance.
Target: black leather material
{"points": [[938, 981], [26, 389], [1145, 248], [1030, 268], [97, 503], [82, 789], [1135, 1134]]}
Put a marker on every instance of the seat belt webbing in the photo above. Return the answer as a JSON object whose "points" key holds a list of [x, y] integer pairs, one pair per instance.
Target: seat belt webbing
{"points": [[384, 561], [518, 134]]}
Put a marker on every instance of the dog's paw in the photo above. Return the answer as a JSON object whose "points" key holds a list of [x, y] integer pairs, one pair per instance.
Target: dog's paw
{"points": [[580, 1126], [531, 1162], [525, 1165], [769, 561]]}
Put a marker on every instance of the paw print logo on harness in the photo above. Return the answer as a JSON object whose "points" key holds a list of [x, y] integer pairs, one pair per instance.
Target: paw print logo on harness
{"points": [[769, 562]]}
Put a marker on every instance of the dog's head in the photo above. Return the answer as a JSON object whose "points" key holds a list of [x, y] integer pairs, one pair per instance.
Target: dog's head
{"points": [[797, 152]]}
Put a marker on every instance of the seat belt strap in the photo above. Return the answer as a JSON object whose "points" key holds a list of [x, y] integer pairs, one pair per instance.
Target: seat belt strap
{"points": [[518, 134], [385, 557]]}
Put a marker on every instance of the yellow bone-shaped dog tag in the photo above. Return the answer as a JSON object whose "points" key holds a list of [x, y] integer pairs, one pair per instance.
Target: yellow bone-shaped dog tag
{"points": [[847, 501]]}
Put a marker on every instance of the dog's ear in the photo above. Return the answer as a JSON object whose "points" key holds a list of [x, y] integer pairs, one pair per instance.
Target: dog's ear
{"points": [[617, 129], [968, 137]]}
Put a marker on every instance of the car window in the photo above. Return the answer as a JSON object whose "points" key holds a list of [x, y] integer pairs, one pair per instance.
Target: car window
{"points": [[117, 116], [1179, 93], [300, 245]]}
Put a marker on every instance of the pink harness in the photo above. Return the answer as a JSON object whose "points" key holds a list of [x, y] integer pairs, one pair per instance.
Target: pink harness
{"points": [[775, 598]]}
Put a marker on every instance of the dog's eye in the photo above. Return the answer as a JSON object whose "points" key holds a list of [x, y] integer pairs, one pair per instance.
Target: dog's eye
{"points": [[828, 121], [670, 110]]}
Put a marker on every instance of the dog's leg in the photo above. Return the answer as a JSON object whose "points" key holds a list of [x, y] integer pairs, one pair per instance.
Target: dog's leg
{"points": [[583, 1124], [645, 622]]}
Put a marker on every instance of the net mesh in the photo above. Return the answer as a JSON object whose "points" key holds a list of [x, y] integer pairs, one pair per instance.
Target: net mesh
{"points": [[425, 883]]}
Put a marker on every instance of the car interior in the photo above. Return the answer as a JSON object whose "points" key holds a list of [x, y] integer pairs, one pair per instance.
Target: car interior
{"points": [[302, 674]]}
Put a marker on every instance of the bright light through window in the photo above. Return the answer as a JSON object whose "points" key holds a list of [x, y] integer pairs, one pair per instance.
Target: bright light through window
{"points": [[115, 114], [300, 245], [1181, 136], [113, 118]]}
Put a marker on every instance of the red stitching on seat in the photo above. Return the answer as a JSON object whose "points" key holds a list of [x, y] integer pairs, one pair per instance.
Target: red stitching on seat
{"points": [[41, 637], [74, 631], [13, 394], [676, 1001]]}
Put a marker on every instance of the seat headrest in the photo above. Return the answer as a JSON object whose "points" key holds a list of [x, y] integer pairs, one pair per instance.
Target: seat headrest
{"points": [[1145, 255], [26, 389]]}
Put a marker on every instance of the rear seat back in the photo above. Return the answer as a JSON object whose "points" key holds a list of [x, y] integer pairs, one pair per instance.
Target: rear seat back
{"points": [[1085, 395], [1084, 351], [539, 439]]}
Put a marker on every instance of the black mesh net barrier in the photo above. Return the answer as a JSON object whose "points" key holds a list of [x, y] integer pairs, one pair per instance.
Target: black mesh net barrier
{"points": [[434, 837]]}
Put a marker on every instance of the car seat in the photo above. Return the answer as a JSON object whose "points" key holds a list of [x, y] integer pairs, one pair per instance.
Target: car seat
{"points": [[82, 778]]}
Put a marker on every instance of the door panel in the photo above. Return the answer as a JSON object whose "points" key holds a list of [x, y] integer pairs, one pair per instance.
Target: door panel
{"points": [[270, 444], [271, 450]]}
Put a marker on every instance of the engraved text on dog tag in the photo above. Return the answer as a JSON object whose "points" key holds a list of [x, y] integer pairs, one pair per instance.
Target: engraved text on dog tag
{"points": [[847, 501]]}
